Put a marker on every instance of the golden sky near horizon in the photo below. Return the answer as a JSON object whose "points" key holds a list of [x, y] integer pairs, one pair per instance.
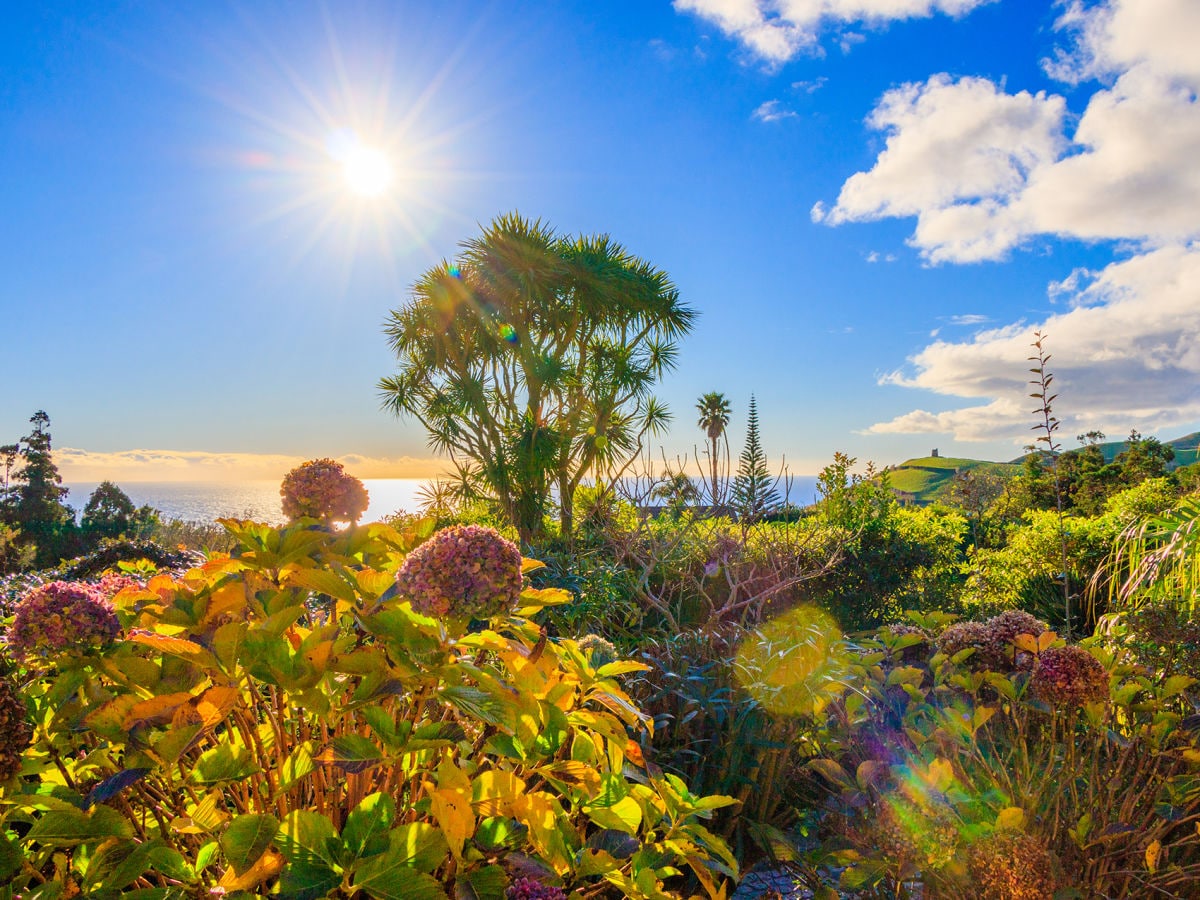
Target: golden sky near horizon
{"points": [[77, 465]]}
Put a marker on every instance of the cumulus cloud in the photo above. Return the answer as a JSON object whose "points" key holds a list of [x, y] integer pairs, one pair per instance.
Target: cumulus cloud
{"points": [[1126, 354], [775, 31], [197, 465], [982, 170], [772, 111]]}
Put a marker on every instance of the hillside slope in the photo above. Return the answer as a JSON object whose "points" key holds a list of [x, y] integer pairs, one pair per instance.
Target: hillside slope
{"points": [[928, 478]]}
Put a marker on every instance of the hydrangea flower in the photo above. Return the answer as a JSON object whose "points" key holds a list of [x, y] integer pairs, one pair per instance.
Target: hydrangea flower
{"points": [[111, 584], [602, 651], [62, 615], [976, 636], [1005, 628], [462, 572], [1067, 677], [1009, 865], [321, 489], [917, 834], [15, 733], [527, 888]]}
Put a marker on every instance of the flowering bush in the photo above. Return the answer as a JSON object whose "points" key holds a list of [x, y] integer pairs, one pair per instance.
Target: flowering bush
{"points": [[321, 489], [463, 572], [62, 616], [1017, 762], [242, 740], [1004, 629], [1067, 677]]}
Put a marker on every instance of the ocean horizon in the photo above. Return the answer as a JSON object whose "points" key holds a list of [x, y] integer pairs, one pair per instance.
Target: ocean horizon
{"points": [[207, 501]]}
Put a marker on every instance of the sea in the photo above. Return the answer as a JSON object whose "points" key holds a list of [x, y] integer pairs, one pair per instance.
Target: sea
{"points": [[198, 501]]}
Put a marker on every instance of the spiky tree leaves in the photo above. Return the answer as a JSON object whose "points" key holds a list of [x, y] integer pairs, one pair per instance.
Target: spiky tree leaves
{"points": [[530, 359], [754, 492]]}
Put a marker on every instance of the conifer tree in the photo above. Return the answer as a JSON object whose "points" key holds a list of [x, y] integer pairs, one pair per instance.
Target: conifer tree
{"points": [[39, 511], [754, 493]]}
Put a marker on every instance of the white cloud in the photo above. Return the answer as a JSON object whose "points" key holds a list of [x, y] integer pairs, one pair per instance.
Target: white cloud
{"points": [[1127, 354], [983, 171], [772, 111], [969, 319], [778, 30], [809, 87], [199, 465]]}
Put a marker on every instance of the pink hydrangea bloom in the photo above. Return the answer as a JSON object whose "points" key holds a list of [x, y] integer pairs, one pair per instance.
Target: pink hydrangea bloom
{"points": [[321, 489], [527, 888], [62, 615], [462, 572], [1069, 676], [110, 585]]}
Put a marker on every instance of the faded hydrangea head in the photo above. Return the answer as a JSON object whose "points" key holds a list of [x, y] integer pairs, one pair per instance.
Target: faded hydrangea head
{"points": [[925, 836], [527, 888], [1067, 677], [111, 584], [976, 636], [15, 732], [602, 651], [1005, 628], [62, 615], [462, 572], [322, 489], [1009, 865]]}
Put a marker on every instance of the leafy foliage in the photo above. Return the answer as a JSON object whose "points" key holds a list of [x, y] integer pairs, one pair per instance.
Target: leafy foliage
{"points": [[282, 720], [530, 360]]}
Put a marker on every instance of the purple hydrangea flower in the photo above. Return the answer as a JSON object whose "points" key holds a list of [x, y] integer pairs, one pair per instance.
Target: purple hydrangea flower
{"points": [[527, 888], [62, 615], [462, 572], [1066, 677]]}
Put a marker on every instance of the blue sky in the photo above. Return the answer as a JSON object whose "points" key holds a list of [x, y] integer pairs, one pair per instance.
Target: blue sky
{"points": [[872, 203]]}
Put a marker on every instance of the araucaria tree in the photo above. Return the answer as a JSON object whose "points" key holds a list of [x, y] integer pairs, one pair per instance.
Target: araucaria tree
{"points": [[35, 497], [754, 492], [530, 359], [714, 419]]}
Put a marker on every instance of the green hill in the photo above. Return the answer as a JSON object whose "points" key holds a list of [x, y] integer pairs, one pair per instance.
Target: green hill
{"points": [[926, 478]]}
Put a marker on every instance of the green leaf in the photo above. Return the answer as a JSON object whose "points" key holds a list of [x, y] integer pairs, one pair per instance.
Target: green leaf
{"points": [[298, 764], [308, 881], [67, 827], [224, 763], [390, 884], [305, 837], [487, 883], [351, 753], [247, 838], [10, 857], [412, 848], [368, 823]]}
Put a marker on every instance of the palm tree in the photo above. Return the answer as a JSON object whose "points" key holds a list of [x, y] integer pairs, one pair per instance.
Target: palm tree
{"points": [[714, 417]]}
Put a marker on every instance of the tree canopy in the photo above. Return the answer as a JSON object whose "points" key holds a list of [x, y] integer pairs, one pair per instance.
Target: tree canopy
{"points": [[531, 358]]}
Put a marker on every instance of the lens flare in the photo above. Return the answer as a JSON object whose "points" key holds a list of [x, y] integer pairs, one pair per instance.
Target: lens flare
{"points": [[794, 664], [508, 333]]}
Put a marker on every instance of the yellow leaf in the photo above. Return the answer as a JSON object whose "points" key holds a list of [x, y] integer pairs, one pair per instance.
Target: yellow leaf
{"points": [[941, 774], [228, 599], [1046, 639], [450, 804], [493, 791], [1154, 855], [155, 711], [531, 565], [1027, 642], [1010, 819], [267, 866]]}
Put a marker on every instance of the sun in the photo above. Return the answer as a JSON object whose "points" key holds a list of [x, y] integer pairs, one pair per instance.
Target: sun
{"points": [[367, 171]]}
